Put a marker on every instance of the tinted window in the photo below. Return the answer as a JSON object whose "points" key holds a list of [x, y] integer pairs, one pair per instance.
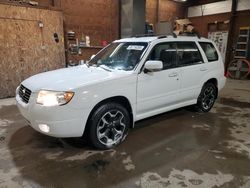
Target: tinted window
{"points": [[188, 54], [209, 50], [165, 52]]}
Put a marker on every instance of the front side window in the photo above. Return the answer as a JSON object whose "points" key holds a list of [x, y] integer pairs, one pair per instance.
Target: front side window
{"points": [[120, 56], [165, 52], [188, 54], [209, 50]]}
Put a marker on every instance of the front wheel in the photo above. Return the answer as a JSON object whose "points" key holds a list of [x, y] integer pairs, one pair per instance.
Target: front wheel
{"points": [[206, 98], [109, 126]]}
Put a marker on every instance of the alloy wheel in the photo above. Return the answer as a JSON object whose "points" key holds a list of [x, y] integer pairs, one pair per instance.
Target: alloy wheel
{"points": [[208, 97], [111, 127]]}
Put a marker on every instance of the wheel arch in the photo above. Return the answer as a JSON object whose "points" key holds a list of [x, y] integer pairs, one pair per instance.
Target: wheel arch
{"points": [[215, 82], [117, 99]]}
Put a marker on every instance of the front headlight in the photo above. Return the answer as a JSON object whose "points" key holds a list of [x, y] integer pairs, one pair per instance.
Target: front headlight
{"points": [[54, 98]]}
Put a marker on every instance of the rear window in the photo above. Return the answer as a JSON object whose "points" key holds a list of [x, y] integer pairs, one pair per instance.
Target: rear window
{"points": [[209, 50]]}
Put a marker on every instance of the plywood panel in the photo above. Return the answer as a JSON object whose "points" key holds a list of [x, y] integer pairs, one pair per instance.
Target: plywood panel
{"points": [[18, 53], [25, 48]]}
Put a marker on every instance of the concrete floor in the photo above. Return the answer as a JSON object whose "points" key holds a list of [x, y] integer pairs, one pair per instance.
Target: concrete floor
{"points": [[176, 149]]}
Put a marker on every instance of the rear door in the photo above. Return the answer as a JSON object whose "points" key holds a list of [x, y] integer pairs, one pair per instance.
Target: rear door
{"points": [[193, 69], [214, 62]]}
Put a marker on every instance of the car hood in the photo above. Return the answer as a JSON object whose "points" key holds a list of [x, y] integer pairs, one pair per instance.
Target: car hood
{"points": [[70, 78]]}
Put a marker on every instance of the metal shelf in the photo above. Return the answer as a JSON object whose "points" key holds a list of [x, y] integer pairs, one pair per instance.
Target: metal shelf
{"points": [[239, 57], [241, 42], [243, 36]]}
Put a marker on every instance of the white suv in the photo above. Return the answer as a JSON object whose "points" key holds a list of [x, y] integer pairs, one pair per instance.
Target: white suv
{"points": [[127, 81]]}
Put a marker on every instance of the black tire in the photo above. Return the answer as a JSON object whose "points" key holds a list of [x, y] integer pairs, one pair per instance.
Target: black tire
{"points": [[106, 123], [206, 98]]}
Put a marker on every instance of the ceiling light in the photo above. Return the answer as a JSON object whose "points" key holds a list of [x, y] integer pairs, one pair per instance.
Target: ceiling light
{"points": [[180, 1]]}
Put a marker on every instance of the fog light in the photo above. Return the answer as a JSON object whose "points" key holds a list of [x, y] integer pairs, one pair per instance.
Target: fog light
{"points": [[44, 128]]}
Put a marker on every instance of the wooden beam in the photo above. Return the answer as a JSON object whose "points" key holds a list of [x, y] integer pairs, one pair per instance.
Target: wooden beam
{"points": [[231, 33]]}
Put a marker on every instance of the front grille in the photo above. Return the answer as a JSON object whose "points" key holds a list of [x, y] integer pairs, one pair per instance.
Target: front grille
{"points": [[24, 94]]}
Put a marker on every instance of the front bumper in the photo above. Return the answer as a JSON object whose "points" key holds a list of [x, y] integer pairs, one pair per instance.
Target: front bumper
{"points": [[63, 121]]}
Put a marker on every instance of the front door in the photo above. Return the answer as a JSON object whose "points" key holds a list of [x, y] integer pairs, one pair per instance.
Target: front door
{"points": [[156, 91]]}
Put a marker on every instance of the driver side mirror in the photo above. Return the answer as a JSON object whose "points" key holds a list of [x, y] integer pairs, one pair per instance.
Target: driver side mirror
{"points": [[153, 66]]}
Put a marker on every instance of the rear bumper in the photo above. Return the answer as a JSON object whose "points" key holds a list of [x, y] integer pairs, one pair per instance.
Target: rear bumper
{"points": [[62, 121], [222, 82]]}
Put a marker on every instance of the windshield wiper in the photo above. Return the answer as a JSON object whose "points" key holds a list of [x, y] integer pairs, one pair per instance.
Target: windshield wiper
{"points": [[105, 67]]}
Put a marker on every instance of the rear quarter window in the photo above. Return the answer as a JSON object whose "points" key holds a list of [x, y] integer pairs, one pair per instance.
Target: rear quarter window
{"points": [[209, 51]]}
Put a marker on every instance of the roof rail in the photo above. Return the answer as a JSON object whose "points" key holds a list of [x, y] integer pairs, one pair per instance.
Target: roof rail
{"points": [[162, 36], [165, 36], [151, 35], [144, 35], [190, 34]]}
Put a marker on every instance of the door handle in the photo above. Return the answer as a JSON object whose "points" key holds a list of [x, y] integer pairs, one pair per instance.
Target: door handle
{"points": [[203, 69], [174, 74]]}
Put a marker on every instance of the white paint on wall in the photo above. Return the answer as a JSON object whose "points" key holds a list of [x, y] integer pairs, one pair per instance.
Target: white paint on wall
{"points": [[220, 38], [243, 5], [217, 8]]}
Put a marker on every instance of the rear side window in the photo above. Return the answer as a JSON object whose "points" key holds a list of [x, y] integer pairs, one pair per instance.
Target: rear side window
{"points": [[188, 54], [209, 50]]}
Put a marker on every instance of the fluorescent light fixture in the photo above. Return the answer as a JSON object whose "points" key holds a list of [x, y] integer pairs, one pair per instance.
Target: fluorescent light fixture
{"points": [[180, 1]]}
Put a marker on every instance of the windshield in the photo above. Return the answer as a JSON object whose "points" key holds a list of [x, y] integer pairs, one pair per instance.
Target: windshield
{"points": [[120, 56]]}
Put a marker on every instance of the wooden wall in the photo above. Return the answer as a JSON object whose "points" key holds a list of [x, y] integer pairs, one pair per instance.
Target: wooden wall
{"points": [[25, 48]]}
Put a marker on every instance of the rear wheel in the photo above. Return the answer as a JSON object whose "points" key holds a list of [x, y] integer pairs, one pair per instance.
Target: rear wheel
{"points": [[207, 97], [108, 126]]}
